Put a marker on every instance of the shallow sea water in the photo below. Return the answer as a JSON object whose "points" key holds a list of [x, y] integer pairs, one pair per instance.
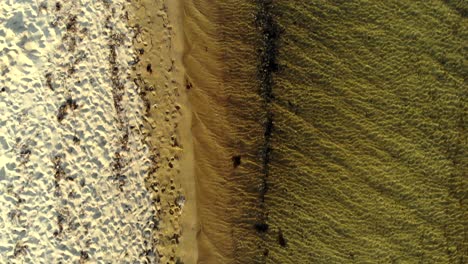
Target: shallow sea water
{"points": [[349, 145]]}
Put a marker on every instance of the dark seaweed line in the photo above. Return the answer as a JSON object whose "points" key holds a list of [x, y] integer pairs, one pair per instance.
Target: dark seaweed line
{"points": [[269, 32], [117, 93]]}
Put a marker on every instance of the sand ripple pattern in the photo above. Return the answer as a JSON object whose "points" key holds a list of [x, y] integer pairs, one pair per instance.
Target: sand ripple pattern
{"points": [[72, 158]]}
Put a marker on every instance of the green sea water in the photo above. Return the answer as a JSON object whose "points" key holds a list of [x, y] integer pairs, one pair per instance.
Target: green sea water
{"points": [[369, 146], [349, 133]]}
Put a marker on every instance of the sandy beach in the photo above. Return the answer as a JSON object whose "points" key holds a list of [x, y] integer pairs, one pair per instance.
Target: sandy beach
{"points": [[81, 165], [97, 141], [160, 44]]}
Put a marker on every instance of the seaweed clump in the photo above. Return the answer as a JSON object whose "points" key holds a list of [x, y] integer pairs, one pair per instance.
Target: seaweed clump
{"points": [[267, 55], [69, 104]]}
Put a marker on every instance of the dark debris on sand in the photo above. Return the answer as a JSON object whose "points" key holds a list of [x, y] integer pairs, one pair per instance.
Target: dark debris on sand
{"points": [[59, 173], [69, 104]]}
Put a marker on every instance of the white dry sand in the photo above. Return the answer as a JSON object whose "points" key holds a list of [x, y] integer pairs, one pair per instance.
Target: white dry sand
{"points": [[67, 106]]}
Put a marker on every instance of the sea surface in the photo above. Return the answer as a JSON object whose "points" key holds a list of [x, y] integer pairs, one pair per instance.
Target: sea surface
{"points": [[342, 136]]}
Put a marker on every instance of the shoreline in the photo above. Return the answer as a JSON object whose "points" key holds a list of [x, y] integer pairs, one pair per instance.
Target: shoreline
{"points": [[161, 76], [188, 246], [221, 64]]}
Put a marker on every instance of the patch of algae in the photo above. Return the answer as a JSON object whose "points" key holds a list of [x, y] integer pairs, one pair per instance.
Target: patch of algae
{"points": [[340, 133]]}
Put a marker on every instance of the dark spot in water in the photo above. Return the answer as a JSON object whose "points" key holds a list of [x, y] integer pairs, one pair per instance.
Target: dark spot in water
{"points": [[3, 89], [188, 85], [58, 6], [149, 68], [263, 188], [142, 51], [236, 161], [268, 126], [281, 239], [261, 227]]}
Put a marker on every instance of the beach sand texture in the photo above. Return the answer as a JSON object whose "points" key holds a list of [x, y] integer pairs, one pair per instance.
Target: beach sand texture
{"points": [[159, 43], [72, 153]]}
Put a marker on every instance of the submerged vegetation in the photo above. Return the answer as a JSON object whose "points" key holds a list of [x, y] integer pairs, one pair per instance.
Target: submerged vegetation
{"points": [[266, 67]]}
